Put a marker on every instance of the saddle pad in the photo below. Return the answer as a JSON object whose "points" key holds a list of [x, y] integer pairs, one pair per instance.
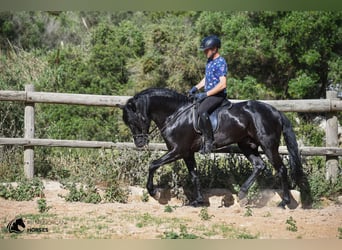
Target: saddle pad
{"points": [[214, 116]]}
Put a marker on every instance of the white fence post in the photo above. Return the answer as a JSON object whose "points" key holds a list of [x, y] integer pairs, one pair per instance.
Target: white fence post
{"points": [[331, 140], [29, 134]]}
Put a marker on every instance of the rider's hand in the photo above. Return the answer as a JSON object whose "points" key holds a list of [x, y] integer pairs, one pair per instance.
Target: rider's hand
{"points": [[192, 91], [200, 96]]}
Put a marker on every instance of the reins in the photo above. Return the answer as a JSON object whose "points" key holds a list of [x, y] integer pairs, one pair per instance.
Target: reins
{"points": [[169, 120]]}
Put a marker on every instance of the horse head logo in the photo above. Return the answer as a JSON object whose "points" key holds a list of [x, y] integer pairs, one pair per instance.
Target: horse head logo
{"points": [[13, 225]]}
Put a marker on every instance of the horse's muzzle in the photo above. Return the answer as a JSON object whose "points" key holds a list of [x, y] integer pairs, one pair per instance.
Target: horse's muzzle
{"points": [[141, 140]]}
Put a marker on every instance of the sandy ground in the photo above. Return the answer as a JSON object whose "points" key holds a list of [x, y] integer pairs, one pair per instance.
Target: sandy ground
{"points": [[149, 220]]}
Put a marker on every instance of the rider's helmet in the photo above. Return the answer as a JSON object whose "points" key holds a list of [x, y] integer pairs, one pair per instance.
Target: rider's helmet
{"points": [[210, 42]]}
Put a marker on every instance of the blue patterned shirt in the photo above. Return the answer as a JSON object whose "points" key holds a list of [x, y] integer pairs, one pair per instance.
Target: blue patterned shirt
{"points": [[213, 71]]}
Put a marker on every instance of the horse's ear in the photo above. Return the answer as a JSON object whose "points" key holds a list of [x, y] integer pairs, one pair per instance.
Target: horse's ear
{"points": [[120, 106]]}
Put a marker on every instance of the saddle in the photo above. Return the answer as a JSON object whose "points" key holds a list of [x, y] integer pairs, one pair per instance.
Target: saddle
{"points": [[214, 116]]}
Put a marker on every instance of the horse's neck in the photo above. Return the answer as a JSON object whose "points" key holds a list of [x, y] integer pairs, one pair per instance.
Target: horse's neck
{"points": [[160, 110]]}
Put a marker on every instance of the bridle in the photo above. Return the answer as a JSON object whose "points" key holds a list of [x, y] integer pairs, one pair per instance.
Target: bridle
{"points": [[170, 119]]}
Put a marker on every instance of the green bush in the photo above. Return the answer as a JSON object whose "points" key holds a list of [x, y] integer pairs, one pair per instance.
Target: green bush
{"points": [[88, 195], [25, 190], [302, 86], [42, 206], [320, 187], [183, 234], [116, 193], [291, 224]]}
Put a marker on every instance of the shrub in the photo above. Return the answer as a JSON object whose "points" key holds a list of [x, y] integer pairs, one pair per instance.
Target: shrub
{"points": [[204, 215], [81, 194], [116, 193], [42, 206], [183, 234], [24, 191], [292, 226]]}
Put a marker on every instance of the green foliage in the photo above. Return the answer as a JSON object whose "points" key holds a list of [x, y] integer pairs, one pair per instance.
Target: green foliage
{"points": [[147, 219], [145, 196], [291, 225], [246, 236], [227, 231], [253, 193], [42, 205], [168, 209], [339, 232], [307, 130], [248, 88], [116, 193], [210, 22], [302, 86], [204, 215], [25, 190], [183, 234], [319, 186], [335, 68], [11, 164], [249, 212], [81, 194], [13, 26]]}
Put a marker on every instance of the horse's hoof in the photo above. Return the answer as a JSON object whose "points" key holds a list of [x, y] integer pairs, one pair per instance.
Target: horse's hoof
{"points": [[242, 195], [243, 202], [282, 205], [156, 194], [242, 198], [197, 203]]}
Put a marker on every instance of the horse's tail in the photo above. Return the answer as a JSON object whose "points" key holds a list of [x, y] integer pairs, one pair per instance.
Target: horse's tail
{"points": [[297, 173]]}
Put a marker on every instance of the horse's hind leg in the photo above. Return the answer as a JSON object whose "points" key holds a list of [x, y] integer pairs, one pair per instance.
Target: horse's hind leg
{"points": [[253, 156], [279, 166], [191, 165]]}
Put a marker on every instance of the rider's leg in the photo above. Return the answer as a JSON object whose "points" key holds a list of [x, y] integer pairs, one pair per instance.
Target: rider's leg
{"points": [[206, 107], [207, 133]]}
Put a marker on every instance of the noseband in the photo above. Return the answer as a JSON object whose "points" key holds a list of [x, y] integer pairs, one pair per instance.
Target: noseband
{"points": [[141, 136]]}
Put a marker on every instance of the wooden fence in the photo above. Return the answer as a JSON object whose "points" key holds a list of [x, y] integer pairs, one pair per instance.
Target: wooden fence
{"points": [[330, 106]]}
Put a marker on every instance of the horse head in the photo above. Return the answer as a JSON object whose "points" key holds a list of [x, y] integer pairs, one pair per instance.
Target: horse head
{"points": [[136, 118]]}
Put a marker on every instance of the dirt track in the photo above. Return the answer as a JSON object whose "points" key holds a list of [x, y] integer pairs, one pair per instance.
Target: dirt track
{"points": [[147, 220]]}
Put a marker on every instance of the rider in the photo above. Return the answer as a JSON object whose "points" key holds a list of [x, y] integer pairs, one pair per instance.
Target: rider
{"points": [[214, 84]]}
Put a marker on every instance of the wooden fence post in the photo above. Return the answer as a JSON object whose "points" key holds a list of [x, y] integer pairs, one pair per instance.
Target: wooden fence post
{"points": [[331, 141], [29, 134]]}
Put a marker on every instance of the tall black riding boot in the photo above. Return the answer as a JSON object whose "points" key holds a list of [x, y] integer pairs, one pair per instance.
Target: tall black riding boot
{"points": [[207, 133]]}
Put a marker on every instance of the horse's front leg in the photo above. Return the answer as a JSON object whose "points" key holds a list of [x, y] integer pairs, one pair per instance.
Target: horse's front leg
{"points": [[169, 157]]}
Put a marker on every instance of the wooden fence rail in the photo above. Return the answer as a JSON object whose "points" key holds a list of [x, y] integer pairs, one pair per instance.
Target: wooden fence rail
{"points": [[307, 151], [308, 105], [30, 97]]}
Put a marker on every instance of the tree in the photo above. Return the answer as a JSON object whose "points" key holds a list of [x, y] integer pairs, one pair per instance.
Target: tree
{"points": [[171, 57], [278, 48]]}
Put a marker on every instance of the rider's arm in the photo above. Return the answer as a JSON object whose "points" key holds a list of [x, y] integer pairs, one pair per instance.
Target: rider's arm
{"points": [[201, 84], [219, 87]]}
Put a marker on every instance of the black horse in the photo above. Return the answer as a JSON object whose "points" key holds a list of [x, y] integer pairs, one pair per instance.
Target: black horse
{"points": [[250, 124]]}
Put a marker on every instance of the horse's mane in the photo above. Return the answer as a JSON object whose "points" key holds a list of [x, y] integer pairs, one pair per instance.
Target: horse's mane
{"points": [[163, 93]]}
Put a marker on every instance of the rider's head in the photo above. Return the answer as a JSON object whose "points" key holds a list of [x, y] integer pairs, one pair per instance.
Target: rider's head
{"points": [[210, 45]]}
